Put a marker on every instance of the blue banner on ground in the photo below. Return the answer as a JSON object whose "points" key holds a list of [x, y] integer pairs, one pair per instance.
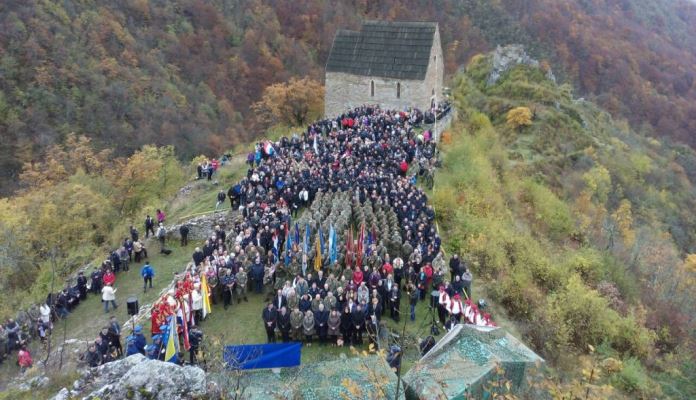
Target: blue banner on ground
{"points": [[254, 356]]}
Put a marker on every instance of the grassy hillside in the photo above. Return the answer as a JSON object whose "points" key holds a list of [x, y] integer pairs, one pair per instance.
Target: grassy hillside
{"points": [[581, 229]]}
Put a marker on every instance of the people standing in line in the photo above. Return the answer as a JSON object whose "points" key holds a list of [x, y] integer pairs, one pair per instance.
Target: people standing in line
{"points": [[147, 272]]}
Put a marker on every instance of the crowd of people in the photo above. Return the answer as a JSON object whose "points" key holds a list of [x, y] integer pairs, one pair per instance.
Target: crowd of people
{"points": [[359, 168], [365, 153]]}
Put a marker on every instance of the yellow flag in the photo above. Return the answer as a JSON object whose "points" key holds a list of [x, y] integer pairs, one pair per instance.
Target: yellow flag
{"points": [[317, 258], [172, 352], [206, 296]]}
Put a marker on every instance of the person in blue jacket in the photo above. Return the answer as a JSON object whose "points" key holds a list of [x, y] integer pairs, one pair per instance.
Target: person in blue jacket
{"points": [[136, 342], [147, 272]]}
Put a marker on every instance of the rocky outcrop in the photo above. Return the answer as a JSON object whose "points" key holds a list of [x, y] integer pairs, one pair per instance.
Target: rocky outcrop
{"points": [[506, 57], [137, 377], [201, 227]]}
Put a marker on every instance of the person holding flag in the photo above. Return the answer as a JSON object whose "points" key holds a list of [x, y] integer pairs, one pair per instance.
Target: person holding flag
{"points": [[317, 256]]}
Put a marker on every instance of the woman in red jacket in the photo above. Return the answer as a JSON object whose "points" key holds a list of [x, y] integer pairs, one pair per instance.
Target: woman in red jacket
{"points": [[358, 276], [109, 278]]}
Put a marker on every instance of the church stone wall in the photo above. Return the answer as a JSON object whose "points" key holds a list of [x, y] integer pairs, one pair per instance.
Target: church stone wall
{"points": [[345, 91]]}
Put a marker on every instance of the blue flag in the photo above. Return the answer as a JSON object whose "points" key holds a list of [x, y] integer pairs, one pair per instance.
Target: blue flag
{"points": [[332, 245], [297, 234], [288, 246], [255, 356]]}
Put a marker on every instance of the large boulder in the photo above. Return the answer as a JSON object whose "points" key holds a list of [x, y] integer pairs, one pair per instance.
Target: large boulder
{"points": [[137, 377], [506, 57]]}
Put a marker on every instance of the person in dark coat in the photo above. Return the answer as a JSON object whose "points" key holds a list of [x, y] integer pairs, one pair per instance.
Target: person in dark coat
{"points": [[305, 303], [115, 335], [455, 265], [195, 339], [96, 278], [270, 318], [93, 358], [284, 324], [198, 256], [279, 301], [149, 226], [184, 231], [395, 302], [257, 275], [358, 320], [321, 321], [82, 285], [347, 325]]}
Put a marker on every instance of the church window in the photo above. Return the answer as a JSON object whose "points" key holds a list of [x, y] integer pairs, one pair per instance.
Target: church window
{"points": [[398, 90], [372, 88]]}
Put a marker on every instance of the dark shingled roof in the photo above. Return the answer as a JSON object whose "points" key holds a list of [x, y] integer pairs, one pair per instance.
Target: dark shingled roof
{"points": [[398, 50]]}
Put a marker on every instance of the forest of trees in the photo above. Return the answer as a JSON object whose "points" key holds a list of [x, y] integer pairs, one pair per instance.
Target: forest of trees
{"points": [[186, 72], [580, 229]]}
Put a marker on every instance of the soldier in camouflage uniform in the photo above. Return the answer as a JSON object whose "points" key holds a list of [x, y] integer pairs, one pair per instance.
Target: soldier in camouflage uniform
{"points": [[330, 301], [296, 318], [241, 289], [315, 303]]}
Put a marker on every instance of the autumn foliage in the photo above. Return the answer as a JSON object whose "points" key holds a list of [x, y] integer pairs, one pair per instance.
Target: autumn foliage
{"points": [[292, 103], [519, 117]]}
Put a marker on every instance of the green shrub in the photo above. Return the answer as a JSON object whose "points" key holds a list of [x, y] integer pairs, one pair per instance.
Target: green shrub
{"points": [[633, 378], [548, 212], [633, 339], [588, 263], [584, 312]]}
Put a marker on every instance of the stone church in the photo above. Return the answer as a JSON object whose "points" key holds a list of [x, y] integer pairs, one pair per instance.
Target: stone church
{"points": [[394, 64]]}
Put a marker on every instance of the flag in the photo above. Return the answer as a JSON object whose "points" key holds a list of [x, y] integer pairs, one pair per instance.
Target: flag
{"points": [[172, 352], [315, 145], [288, 245], [305, 248], [297, 234], [332, 245], [276, 244], [184, 325], [317, 257], [349, 249], [268, 148], [360, 249], [322, 241], [206, 296], [192, 320]]}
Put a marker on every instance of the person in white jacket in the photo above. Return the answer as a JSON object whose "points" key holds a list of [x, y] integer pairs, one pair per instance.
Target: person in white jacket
{"points": [[108, 296], [45, 311]]}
